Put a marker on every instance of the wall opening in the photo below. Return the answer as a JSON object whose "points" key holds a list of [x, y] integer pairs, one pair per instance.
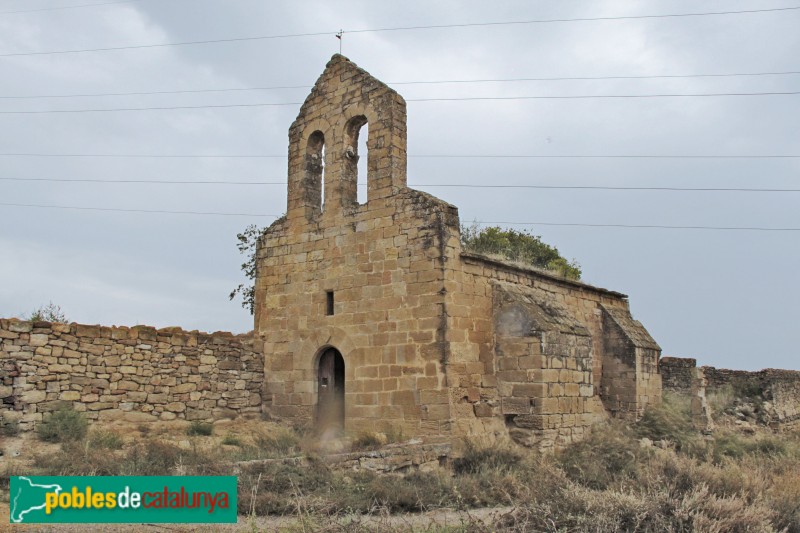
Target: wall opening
{"points": [[355, 174], [330, 392], [315, 169], [329, 303], [361, 180]]}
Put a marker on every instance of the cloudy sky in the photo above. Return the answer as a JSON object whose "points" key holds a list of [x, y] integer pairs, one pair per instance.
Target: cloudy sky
{"points": [[727, 297]]}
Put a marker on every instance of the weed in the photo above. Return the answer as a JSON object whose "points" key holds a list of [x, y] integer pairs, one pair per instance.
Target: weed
{"points": [[62, 425], [608, 455], [232, 440], [478, 459], [8, 428], [671, 421], [200, 428], [276, 443], [105, 439], [367, 440], [721, 400]]}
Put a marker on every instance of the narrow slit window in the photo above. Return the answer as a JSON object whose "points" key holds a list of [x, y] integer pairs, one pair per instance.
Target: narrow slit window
{"points": [[329, 303]]}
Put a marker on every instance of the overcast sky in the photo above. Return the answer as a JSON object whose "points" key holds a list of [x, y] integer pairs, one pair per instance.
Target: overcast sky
{"points": [[728, 298]]}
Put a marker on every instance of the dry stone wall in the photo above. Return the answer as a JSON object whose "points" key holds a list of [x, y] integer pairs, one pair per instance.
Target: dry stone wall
{"points": [[781, 388], [136, 374], [778, 391]]}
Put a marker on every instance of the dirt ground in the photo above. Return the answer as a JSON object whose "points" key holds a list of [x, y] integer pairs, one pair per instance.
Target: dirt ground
{"points": [[434, 520]]}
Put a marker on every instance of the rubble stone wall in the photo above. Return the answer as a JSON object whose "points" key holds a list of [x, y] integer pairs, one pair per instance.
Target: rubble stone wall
{"points": [[677, 374], [780, 387], [779, 390], [136, 374]]}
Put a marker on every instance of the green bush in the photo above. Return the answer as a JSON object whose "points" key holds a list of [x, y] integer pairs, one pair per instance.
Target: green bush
{"points": [[200, 428], [735, 446], [518, 246], [63, 425]]}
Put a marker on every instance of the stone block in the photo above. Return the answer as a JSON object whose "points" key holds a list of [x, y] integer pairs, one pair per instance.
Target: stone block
{"points": [[70, 395], [176, 407], [38, 339], [32, 396], [515, 406]]}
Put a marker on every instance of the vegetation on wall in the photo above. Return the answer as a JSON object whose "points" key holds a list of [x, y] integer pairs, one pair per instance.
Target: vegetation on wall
{"points": [[47, 313], [508, 243], [518, 246], [247, 241]]}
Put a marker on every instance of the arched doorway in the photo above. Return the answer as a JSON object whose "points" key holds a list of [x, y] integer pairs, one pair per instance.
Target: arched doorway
{"points": [[330, 391]]}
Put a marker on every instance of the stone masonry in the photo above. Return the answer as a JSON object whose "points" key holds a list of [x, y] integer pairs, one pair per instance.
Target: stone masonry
{"points": [[137, 374], [376, 306], [778, 390]]}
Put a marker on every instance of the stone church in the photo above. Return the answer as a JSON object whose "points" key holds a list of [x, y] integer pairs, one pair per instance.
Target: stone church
{"points": [[374, 319]]}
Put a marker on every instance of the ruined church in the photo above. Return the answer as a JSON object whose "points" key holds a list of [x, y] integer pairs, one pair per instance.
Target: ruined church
{"points": [[373, 318]]}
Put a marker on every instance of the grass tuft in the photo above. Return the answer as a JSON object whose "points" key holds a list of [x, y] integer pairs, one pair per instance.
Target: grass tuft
{"points": [[200, 428]]}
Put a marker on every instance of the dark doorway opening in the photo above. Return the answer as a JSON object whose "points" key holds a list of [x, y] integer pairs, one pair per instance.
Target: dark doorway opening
{"points": [[330, 391]]}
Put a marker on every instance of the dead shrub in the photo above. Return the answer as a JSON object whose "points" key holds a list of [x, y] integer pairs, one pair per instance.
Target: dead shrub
{"points": [[276, 443], [367, 440], [478, 459], [671, 421], [78, 458], [610, 454]]}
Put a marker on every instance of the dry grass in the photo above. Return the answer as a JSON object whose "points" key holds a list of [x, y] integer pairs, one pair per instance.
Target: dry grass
{"points": [[609, 482]]}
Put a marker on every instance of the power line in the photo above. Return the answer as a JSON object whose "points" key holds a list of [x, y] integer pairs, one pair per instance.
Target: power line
{"points": [[158, 211], [615, 156], [421, 82], [443, 99], [400, 28], [585, 96], [590, 78], [161, 45], [155, 108], [449, 185], [166, 156], [607, 188], [429, 156], [643, 226], [59, 8], [587, 19], [144, 93], [648, 226]]}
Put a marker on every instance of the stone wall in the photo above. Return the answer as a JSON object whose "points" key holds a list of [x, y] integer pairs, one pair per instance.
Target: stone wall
{"points": [[781, 388], [362, 278], [135, 374], [527, 353], [677, 374]]}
